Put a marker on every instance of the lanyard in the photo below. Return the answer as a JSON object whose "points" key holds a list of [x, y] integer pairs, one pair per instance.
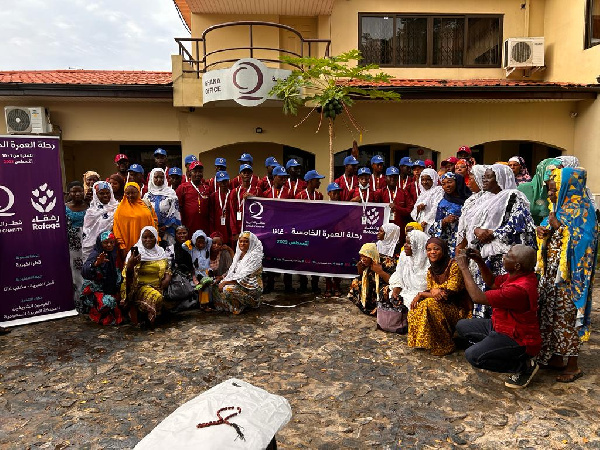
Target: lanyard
{"points": [[269, 181], [197, 190], [215, 181], [222, 204], [295, 186], [403, 186], [308, 195], [392, 197], [363, 201], [273, 192], [346, 181]]}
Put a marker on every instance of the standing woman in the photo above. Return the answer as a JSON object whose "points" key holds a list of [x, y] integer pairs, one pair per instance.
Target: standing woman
{"points": [[75, 211], [449, 210], [476, 187], [462, 168], [89, 178], [166, 206], [99, 216], [146, 275], [131, 216], [431, 194], [537, 192], [519, 169], [566, 261], [242, 286], [118, 186]]}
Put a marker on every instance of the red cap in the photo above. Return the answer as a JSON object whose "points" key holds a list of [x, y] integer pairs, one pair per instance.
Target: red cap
{"points": [[452, 159], [464, 148], [429, 164], [121, 156], [195, 164]]}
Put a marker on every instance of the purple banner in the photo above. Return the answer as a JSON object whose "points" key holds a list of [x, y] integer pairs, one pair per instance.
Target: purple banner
{"points": [[313, 237], [35, 275]]}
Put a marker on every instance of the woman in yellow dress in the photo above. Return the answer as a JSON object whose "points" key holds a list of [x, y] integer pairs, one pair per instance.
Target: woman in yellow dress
{"points": [[146, 275], [434, 313]]}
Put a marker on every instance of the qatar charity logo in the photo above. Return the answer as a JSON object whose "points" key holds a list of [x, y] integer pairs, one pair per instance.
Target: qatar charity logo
{"points": [[9, 204], [256, 209], [43, 199]]}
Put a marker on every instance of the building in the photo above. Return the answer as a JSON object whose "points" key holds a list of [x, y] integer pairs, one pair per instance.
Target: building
{"points": [[445, 58]]}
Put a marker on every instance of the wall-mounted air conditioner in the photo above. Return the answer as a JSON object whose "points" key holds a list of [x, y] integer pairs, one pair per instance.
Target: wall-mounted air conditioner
{"points": [[523, 53], [27, 120]]}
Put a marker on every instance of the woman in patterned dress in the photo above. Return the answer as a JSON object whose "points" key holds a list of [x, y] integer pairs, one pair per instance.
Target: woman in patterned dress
{"points": [[166, 205], [75, 211]]}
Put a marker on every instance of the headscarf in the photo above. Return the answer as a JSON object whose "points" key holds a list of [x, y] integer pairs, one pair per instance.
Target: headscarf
{"points": [[471, 204], [465, 163], [155, 253], [462, 192], [85, 175], [439, 267], [200, 258], [477, 172], [130, 218], [568, 161], [580, 239], [250, 263], [163, 190], [165, 203], [370, 251], [414, 225], [108, 269], [119, 194], [98, 217], [430, 198], [536, 191], [387, 245], [411, 271], [523, 175]]}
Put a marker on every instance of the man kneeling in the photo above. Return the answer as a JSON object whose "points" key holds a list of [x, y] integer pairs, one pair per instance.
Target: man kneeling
{"points": [[509, 341]]}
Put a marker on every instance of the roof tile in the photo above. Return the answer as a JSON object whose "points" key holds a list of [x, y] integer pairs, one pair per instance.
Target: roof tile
{"points": [[465, 83], [86, 77]]}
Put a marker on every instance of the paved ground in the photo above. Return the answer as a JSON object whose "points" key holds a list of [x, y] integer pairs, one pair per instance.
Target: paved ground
{"points": [[72, 384]]}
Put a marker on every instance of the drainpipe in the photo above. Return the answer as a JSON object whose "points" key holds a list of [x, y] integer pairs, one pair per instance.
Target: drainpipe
{"points": [[526, 5]]}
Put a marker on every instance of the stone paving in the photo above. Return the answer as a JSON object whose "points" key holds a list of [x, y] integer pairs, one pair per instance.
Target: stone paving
{"points": [[72, 384]]}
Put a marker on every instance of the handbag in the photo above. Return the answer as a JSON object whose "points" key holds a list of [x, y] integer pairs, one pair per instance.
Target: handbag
{"points": [[180, 288]]}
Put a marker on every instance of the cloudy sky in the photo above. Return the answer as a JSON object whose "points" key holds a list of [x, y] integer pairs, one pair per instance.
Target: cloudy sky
{"points": [[88, 34]]}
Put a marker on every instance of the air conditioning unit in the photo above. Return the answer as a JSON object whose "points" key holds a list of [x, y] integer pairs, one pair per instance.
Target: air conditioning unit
{"points": [[523, 52], [27, 120]]}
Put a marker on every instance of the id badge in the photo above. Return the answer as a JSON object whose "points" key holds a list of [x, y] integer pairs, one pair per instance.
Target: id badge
{"points": [[364, 220], [238, 215], [222, 220], [392, 216]]}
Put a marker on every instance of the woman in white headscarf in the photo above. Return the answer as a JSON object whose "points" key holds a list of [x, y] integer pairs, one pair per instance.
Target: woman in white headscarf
{"points": [[427, 203], [406, 282], [146, 275], [500, 219], [99, 216], [166, 205], [387, 242], [476, 187], [242, 286]]}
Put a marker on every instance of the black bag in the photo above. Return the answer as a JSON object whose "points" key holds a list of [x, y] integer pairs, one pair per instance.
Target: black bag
{"points": [[179, 288]]}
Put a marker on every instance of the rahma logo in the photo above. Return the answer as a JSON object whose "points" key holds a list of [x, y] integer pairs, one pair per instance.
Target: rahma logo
{"points": [[43, 199]]}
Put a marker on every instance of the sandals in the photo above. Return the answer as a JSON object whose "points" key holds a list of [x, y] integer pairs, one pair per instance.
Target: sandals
{"points": [[569, 377]]}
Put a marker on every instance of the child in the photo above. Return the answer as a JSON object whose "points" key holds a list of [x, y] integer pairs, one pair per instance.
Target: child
{"points": [[332, 285], [199, 249]]}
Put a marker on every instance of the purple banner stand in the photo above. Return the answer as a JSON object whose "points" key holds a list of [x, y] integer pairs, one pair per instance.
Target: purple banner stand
{"points": [[35, 274], [313, 237]]}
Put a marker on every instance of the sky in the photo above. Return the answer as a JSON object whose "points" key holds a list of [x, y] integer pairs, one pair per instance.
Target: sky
{"points": [[88, 34]]}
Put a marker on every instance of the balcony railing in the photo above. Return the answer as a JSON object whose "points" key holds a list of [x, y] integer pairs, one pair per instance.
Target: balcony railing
{"points": [[201, 64]]}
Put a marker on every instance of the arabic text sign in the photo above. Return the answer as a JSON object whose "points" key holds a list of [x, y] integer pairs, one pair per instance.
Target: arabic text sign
{"points": [[313, 237], [35, 276]]}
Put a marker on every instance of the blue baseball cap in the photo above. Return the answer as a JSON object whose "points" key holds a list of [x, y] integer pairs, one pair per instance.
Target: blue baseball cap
{"points": [[221, 176], [246, 166], [419, 162], [364, 171], [350, 160], [160, 151], [292, 163], [271, 161], [175, 171], [312, 174], [377, 159], [246, 157], [392, 171], [280, 171], [221, 162], [333, 187], [190, 159], [406, 161], [135, 168]]}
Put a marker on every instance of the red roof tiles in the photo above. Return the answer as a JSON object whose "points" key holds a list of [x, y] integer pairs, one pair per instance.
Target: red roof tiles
{"points": [[484, 83], [86, 77]]}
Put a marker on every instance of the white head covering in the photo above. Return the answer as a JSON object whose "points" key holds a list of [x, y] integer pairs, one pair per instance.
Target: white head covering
{"points": [[569, 161], [98, 217], [250, 263], [411, 271], [470, 206], [388, 244], [430, 198], [477, 172], [200, 258], [163, 190], [156, 253]]}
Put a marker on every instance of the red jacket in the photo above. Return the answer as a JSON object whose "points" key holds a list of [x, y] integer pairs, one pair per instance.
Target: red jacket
{"points": [[283, 193], [514, 305], [295, 186], [347, 184], [303, 195], [370, 194], [236, 203], [377, 183], [237, 181], [408, 186]]}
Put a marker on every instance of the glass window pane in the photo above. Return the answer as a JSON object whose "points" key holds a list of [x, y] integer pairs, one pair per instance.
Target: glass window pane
{"points": [[595, 22], [448, 41], [376, 39], [411, 41], [484, 41]]}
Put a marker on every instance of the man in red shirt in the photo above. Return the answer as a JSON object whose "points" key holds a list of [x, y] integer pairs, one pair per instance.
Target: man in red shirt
{"points": [[348, 181], [510, 340], [220, 166], [246, 158], [267, 181], [377, 179], [295, 183], [363, 193], [220, 210], [122, 163], [193, 200], [278, 189], [313, 182], [401, 204], [237, 196], [407, 182]]}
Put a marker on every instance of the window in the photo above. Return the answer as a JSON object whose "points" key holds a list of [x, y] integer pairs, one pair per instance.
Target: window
{"points": [[395, 40], [592, 23]]}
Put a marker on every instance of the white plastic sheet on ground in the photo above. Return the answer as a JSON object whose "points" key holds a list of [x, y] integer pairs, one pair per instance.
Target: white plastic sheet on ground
{"points": [[262, 416]]}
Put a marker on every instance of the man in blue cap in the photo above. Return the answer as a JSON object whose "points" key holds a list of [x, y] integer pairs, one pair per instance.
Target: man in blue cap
{"points": [[246, 158], [135, 173], [348, 181], [313, 182], [189, 159], [278, 188], [334, 191], [407, 182], [160, 161], [377, 179], [220, 207], [400, 202], [220, 166], [193, 200], [175, 176], [267, 181], [294, 182], [237, 196], [363, 192], [418, 167]]}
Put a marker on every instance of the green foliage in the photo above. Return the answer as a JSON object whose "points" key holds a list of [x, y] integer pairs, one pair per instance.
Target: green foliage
{"points": [[328, 83]]}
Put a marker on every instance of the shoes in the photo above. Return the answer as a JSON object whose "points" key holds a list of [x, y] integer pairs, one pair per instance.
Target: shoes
{"points": [[522, 380]]}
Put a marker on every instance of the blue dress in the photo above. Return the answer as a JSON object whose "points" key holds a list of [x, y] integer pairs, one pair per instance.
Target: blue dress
{"points": [[446, 232], [74, 231]]}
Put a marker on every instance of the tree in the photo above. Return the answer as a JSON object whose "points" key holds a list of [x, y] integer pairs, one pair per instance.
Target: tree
{"points": [[329, 85]]}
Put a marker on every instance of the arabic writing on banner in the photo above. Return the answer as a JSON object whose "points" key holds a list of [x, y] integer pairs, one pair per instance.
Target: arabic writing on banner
{"points": [[313, 237], [35, 275]]}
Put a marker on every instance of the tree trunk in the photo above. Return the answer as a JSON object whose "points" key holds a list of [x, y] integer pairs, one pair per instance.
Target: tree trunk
{"points": [[331, 160]]}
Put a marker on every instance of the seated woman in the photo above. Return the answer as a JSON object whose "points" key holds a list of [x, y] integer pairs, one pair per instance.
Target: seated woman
{"points": [[406, 282], [146, 275], [221, 257], [181, 263], [366, 290], [242, 286], [101, 284], [199, 249], [387, 243], [434, 313]]}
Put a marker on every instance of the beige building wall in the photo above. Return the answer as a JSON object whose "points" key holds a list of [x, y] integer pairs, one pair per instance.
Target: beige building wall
{"points": [[587, 141]]}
